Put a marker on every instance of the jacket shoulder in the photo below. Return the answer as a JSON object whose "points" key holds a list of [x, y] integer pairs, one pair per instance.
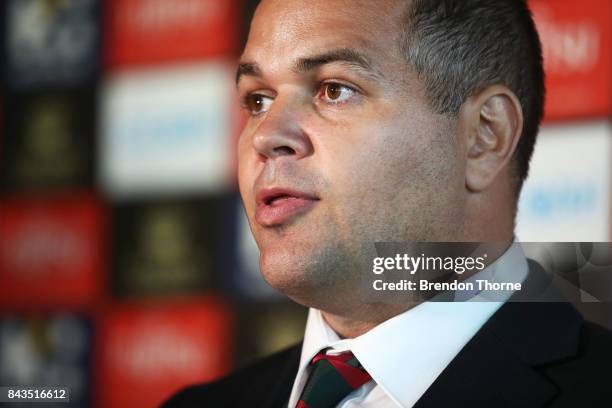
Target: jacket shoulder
{"points": [[584, 379], [266, 382]]}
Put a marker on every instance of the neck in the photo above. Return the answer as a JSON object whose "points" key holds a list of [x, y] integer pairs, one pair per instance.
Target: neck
{"points": [[369, 316]]}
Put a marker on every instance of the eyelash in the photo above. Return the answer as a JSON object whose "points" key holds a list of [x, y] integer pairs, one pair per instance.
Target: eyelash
{"points": [[319, 91]]}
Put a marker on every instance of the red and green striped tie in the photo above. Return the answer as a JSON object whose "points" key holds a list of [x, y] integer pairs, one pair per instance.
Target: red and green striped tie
{"points": [[332, 378]]}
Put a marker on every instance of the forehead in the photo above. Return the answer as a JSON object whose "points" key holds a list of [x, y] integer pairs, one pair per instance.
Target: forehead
{"points": [[283, 30]]}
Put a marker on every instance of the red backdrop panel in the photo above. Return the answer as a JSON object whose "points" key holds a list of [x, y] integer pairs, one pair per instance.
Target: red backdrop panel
{"points": [[577, 39], [51, 252], [149, 351], [151, 31]]}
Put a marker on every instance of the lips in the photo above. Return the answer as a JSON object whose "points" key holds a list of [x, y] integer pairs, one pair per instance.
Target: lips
{"points": [[276, 206]]}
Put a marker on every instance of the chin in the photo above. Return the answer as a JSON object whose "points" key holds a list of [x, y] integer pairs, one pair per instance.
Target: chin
{"points": [[308, 274], [281, 268], [291, 269]]}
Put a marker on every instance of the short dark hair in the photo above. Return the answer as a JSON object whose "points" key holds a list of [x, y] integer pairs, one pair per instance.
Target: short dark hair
{"points": [[460, 47]]}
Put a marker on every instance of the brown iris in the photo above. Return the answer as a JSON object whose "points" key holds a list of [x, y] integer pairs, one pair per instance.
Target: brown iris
{"points": [[254, 103], [333, 91]]}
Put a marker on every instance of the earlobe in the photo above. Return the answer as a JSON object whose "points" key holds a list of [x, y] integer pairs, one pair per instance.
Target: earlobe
{"points": [[495, 120]]}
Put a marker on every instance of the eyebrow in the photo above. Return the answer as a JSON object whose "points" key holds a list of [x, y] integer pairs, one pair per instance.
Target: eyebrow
{"points": [[247, 68], [347, 56]]}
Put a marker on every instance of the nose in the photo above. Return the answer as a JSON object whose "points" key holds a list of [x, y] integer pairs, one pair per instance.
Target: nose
{"points": [[281, 133]]}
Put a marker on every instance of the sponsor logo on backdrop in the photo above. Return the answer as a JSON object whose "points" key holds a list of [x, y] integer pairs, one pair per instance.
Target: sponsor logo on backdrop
{"points": [[567, 194], [149, 352], [565, 198], [160, 15], [167, 131], [165, 248], [576, 42], [570, 46], [44, 246], [51, 143], [52, 41], [159, 348], [49, 152], [51, 252], [150, 31], [51, 350]]}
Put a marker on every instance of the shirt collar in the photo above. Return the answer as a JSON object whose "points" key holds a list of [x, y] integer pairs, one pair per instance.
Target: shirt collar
{"points": [[418, 343]]}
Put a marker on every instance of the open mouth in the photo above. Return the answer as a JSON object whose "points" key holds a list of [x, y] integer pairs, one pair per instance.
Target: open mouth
{"points": [[279, 199], [278, 206]]}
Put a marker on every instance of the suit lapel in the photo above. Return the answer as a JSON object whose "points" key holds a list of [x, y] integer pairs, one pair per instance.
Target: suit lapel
{"points": [[486, 374], [281, 382], [498, 366]]}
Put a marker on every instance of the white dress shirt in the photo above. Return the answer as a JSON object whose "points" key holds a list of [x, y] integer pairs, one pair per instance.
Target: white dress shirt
{"points": [[405, 354]]}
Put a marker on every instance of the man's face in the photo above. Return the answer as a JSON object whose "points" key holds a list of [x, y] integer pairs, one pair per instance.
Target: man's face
{"points": [[341, 148]]}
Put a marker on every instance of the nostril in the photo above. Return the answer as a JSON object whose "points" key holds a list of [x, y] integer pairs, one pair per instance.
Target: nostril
{"points": [[284, 151]]}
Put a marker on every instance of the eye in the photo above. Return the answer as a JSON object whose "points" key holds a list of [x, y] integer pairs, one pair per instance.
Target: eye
{"points": [[256, 104], [335, 93]]}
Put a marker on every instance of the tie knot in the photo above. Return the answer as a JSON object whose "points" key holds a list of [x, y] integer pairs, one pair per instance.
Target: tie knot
{"points": [[347, 365], [332, 377]]}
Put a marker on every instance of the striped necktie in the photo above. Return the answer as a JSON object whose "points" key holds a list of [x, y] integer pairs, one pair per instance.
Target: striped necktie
{"points": [[332, 378]]}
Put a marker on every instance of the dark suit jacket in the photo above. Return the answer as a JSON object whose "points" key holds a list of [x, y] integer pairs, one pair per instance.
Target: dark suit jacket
{"points": [[526, 355]]}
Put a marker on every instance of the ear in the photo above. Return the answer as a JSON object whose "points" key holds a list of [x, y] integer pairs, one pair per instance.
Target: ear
{"points": [[492, 122]]}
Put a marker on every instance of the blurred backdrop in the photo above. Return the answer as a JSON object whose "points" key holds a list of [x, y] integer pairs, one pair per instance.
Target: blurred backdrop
{"points": [[127, 269]]}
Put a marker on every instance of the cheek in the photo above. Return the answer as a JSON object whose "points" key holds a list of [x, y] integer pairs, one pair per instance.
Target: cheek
{"points": [[365, 168], [246, 177], [389, 171], [247, 198], [382, 162]]}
